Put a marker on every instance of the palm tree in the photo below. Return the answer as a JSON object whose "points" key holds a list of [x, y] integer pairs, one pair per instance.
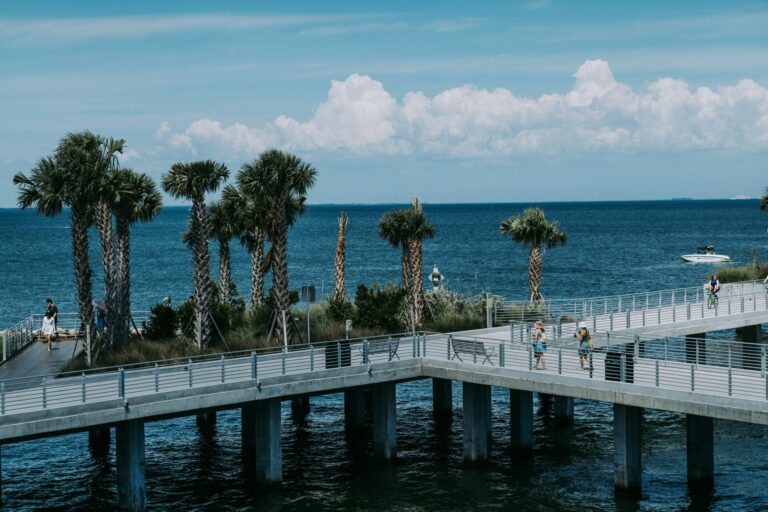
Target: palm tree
{"points": [[192, 181], [339, 289], [252, 238], [225, 225], [72, 177], [394, 228], [419, 229], [277, 183], [139, 201], [531, 228]]}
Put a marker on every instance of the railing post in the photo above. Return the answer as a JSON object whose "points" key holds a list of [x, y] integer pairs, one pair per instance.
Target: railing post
{"points": [[82, 387], [591, 366], [365, 351], [702, 309], [284, 353], [730, 373], [501, 354], [689, 311], [674, 317], [608, 338], [629, 318], [530, 356], [611, 319], [693, 377], [474, 350], [253, 365], [559, 361], [2, 398], [658, 312], [389, 346], [338, 353], [121, 382], [636, 350], [594, 323], [666, 349], [189, 365], [157, 378], [729, 305], [311, 358], [223, 376], [45, 393], [657, 372], [623, 368], [762, 360], [742, 304], [643, 318], [448, 348]]}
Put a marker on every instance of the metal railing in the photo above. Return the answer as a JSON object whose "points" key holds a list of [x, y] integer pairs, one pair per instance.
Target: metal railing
{"points": [[713, 367], [575, 309], [17, 337]]}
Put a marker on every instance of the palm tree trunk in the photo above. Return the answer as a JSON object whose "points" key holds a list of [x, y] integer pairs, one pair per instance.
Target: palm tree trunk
{"points": [[122, 326], [83, 271], [257, 273], [280, 269], [107, 242], [199, 230], [417, 282], [408, 302], [225, 272], [535, 265], [339, 289]]}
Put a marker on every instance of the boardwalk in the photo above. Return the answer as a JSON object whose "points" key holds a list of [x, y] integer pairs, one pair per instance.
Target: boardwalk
{"points": [[36, 360], [652, 354]]}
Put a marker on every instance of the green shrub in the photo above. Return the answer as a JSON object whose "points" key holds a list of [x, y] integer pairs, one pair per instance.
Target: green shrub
{"points": [[340, 310], [379, 307], [162, 322]]}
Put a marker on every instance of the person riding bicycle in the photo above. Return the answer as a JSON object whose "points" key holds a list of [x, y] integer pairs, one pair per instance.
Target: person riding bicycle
{"points": [[713, 285]]}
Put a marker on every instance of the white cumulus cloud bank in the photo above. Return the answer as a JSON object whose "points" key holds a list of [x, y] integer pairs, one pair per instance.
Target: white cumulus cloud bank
{"points": [[360, 117]]}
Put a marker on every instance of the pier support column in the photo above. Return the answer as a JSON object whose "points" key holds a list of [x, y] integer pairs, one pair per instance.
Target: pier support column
{"points": [[442, 400], [563, 410], [696, 348], [627, 467], [206, 421], [99, 441], [131, 479], [700, 452], [354, 411], [384, 420], [521, 419], [300, 408], [262, 441], [477, 421]]}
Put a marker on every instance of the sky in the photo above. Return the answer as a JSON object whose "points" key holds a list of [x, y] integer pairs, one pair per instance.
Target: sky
{"points": [[520, 101]]}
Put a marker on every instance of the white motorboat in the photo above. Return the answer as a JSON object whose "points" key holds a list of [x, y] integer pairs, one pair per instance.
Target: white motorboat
{"points": [[705, 254]]}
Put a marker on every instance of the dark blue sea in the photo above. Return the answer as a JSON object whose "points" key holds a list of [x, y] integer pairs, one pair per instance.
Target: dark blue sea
{"points": [[613, 247]]}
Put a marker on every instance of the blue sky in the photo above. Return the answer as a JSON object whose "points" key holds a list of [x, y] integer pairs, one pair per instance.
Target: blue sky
{"points": [[497, 101]]}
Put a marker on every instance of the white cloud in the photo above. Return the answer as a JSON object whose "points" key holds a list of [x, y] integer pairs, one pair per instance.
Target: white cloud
{"points": [[359, 116]]}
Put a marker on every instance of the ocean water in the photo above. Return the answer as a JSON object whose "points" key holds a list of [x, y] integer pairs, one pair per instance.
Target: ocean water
{"points": [[613, 247]]}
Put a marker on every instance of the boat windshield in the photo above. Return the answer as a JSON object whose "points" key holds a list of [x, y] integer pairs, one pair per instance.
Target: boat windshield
{"points": [[707, 249]]}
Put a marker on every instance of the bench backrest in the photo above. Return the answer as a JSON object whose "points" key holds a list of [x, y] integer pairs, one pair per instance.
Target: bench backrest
{"points": [[467, 346], [382, 346]]}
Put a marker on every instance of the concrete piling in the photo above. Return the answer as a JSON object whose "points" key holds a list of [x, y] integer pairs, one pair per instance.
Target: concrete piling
{"points": [[700, 452], [627, 465], [131, 476], [521, 419], [262, 441], [477, 421], [384, 420], [354, 412], [563, 410], [442, 400]]}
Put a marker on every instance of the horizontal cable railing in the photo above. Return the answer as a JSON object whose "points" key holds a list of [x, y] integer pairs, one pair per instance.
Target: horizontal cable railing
{"points": [[576, 309], [716, 367], [17, 337]]}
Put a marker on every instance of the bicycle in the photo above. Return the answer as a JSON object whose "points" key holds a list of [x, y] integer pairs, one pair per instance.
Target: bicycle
{"points": [[712, 299]]}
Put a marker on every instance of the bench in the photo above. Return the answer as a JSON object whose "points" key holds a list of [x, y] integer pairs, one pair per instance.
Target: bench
{"points": [[380, 346], [470, 347]]}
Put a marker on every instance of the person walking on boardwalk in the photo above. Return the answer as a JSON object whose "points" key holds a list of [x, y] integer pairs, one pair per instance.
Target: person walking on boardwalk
{"points": [[585, 346], [54, 311], [539, 340], [49, 328]]}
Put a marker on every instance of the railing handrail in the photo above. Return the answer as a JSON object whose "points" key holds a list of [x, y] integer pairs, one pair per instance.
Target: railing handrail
{"points": [[617, 296]]}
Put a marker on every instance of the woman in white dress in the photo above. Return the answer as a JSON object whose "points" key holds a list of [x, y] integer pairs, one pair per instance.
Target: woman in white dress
{"points": [[49, 328]]}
